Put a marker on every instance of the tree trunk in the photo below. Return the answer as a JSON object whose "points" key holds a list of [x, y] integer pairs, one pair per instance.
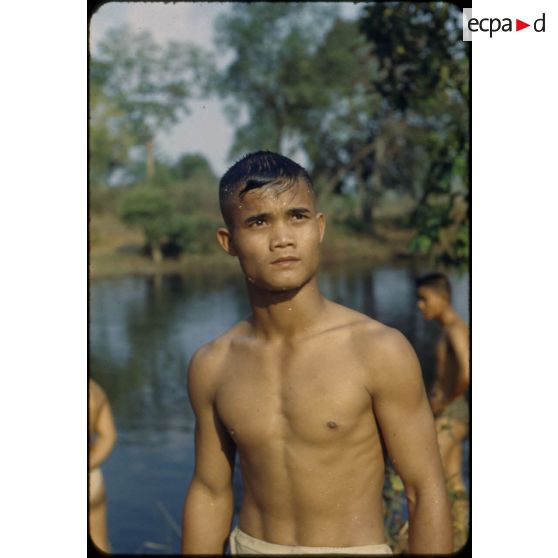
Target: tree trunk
{"points": [[367, 209], [366, 199], [156, 254], [149, 162]]}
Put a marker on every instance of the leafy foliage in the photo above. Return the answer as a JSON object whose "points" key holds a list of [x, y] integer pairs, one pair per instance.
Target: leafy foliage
{"points": [[269, 83], [374, 106], [190, 164], [148, 85], [148, 209], [424, 76]]}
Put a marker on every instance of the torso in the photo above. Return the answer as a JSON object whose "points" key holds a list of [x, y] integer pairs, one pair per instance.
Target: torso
{"points": [[301, 416]]}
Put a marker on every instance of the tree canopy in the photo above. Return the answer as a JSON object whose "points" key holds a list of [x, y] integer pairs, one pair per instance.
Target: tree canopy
{"points": [[142, 86], [371, 105]]}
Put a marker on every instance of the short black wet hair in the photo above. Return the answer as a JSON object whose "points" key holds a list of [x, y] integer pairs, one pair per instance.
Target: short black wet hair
{"points": [[256, 170], [436, 281]]}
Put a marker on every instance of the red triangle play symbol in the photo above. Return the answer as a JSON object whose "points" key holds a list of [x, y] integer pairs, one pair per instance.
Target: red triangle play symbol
{"points": [[519, 25]]}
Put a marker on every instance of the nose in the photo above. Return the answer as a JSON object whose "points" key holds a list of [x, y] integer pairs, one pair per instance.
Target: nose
{"points": [[282, 236]]}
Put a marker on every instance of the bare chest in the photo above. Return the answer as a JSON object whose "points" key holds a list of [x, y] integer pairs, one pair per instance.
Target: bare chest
{"points": [[313, 396]]}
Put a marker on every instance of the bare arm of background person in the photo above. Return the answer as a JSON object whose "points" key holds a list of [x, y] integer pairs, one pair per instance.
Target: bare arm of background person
{"points": [[103, 427], [208, 506], [458, 338], [405, 419]]}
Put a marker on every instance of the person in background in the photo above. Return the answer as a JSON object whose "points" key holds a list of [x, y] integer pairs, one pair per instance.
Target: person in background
{"points": [[102, 437], [304, 390], [448, 397]]}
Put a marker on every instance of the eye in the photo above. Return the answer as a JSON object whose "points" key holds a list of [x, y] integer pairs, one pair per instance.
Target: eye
{"points": [[299, 216], [257, 223]]}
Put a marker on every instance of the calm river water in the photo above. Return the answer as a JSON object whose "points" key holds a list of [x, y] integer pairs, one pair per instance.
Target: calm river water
{"points": [[143, 331]]}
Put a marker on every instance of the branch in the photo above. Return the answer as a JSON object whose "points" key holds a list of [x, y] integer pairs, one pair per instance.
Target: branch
{"points": [[364, 152]]}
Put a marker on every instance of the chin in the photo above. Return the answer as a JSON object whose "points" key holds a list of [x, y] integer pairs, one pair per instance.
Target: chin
{"points": [[282, 286], [276, 284]]}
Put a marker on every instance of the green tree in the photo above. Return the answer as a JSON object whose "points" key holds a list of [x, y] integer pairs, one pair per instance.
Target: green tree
{"points": [[147, 84], [266, 85], [190, 164], [109, 144], [423, 77], [151, 211]]}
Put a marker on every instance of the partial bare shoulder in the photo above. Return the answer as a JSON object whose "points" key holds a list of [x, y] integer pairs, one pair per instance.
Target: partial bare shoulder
{"points": [[341, 317], [386, 354], [385, 343], [369, 336], [208, 362], [96, 393], [458, 328]]}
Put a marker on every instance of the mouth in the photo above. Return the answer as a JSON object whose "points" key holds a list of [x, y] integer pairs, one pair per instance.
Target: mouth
{"points": [[285, 261]]}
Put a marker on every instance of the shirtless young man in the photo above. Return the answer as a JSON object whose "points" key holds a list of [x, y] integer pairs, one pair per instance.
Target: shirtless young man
{"points": [[302, 389], [448, 399], [102, 436]]}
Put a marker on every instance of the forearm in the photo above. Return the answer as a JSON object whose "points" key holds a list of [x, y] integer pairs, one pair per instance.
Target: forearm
{"points": [[207, 520], [430, 530]]}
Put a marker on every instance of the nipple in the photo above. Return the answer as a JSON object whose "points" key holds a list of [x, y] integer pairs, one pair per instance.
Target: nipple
{"points": [[331, 424]]}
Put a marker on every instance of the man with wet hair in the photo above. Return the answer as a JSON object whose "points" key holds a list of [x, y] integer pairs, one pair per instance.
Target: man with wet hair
{"points": [[304, 390], [448, 394]]}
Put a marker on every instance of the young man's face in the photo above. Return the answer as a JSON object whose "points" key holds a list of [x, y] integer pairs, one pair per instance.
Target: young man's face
{"points": [[430, 302], [276, 236]]}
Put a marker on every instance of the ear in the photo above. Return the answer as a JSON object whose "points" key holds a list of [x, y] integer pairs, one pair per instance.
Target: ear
{"points": [[224, 239], [321, 225]]}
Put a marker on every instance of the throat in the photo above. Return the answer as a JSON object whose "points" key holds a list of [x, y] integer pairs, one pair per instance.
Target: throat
{"points": [[289, 318]]}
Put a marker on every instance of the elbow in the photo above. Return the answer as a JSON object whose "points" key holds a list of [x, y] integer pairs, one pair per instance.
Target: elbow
{"points": [[411, 495]]}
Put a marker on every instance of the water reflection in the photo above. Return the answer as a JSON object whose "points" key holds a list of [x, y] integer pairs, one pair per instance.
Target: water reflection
{"points": [[143, 332]]}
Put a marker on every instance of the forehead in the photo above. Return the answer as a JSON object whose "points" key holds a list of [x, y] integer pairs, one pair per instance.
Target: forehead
{"points": [[274, 198], [425, 292]]}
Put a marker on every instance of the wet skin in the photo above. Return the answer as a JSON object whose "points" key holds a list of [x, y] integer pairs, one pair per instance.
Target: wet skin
{"points": [[301, 390], [452, 377]]}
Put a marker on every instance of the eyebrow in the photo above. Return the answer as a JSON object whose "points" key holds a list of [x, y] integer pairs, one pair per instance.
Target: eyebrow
{"points": [[298, 210]]}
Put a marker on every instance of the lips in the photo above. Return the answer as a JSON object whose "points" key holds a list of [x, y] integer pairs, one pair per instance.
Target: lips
{"points": [[285, 260]]}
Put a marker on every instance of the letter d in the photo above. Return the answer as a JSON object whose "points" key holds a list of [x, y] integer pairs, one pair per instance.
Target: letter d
{"points": [[535, 24]]}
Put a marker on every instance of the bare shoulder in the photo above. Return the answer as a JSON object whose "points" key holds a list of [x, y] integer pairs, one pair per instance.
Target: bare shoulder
{"points": [[371, 336], [97, 395], [458, 332], [208, 363], [384, 352]]}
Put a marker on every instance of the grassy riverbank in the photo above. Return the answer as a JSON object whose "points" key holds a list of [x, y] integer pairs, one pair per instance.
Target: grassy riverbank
{"points": [[116, 250]]}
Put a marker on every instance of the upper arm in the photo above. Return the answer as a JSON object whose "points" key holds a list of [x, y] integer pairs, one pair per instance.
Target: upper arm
{"points": [[215, 450], [459, 341], [105, 427], [103, 421], [403, 413]]}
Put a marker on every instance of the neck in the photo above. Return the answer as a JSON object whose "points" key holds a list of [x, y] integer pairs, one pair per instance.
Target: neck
{"points": [[447, 316], [285, 314]]}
